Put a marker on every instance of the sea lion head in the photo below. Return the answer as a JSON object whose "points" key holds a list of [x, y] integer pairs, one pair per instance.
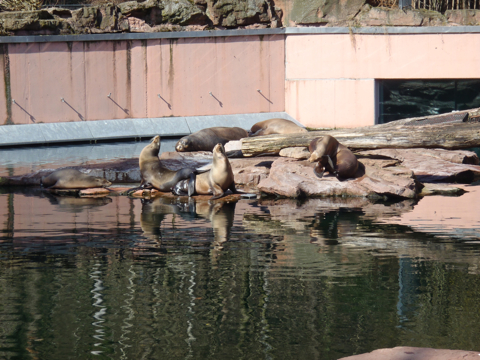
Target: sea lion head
{"points": [[219, 151], [319, 147], [101, 182], [154, 147], [183, 144]]}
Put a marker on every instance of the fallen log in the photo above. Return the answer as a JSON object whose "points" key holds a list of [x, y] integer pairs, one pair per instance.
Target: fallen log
{"points": [[452, 136]]}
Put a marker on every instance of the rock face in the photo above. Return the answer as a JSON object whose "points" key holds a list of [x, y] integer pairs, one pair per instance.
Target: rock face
{"points": [[388, 173], [186, 15], [434, 165], [147, 16]]}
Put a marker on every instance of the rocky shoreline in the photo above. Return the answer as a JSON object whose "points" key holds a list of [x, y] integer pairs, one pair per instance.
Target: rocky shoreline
{"points": [[384, 174]]}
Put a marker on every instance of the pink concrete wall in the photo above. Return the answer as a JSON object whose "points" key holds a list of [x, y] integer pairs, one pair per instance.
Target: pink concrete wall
{"points": [[182, 71], [330, 77], [331, 103]]}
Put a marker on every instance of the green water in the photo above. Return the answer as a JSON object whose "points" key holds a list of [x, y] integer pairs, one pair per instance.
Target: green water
{"points": [[119, 278]]}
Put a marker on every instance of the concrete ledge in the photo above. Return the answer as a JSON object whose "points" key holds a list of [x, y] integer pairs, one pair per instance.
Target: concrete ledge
{"points": [[244, 32], [82, 131]]}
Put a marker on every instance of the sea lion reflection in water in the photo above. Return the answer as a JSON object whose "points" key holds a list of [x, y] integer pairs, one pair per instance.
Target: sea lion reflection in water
{"points": [[187, 213], [215, 181], [333, 157], [154, 174]]}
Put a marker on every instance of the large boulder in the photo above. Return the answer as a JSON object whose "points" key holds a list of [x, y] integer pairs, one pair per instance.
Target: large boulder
{"points": [[433, 165], [234, 13], [293, 178], [13, 22], [332, 12], [156, 12], [98, 19], [463, 17], [376, 16]]}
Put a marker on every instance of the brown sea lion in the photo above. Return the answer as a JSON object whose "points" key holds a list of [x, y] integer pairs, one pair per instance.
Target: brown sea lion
{"points": [[275, 126], [215, 181], [72, 179], [154, 175], [333, 157], [206, 139]]}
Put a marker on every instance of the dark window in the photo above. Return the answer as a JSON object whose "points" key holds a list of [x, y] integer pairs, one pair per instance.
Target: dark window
{"points": [[400, 99]]}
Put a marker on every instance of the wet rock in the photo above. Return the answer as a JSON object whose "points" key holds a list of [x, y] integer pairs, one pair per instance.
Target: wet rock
{"points": [[248, 172], [295, 152], [94, 192], [441, 189], [430, 165], [414, 353]]}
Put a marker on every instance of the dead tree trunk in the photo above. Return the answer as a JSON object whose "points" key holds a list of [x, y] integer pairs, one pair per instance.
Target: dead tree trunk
{"points": [[457, 135]]}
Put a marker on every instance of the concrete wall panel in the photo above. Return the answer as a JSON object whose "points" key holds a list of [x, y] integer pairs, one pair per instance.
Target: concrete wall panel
{"points": [[134, 72], [139, 76], [107, 71], [157, 80], [40, 75], [3, 94], [331, 103], [419, 56]]}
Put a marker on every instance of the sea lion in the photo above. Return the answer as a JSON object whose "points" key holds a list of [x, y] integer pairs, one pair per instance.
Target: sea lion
{"points": [[206, 139], [333, 157], [72, 179], [275, 126], [154, 175], [215, 181]]}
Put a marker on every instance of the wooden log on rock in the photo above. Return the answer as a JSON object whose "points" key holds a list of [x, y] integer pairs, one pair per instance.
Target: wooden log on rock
{"points": [[403, 135]]}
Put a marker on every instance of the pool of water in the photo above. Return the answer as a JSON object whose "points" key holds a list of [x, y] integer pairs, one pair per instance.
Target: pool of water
{"points": [[23, 160], [123, 278]]}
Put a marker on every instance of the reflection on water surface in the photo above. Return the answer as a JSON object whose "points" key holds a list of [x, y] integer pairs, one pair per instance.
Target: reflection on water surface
{"points": [[124, 278]]}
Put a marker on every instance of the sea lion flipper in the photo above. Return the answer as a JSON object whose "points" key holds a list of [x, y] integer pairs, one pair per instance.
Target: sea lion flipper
{"points": [[232, 188], [217, 192], [191, 185], [330, 162]]}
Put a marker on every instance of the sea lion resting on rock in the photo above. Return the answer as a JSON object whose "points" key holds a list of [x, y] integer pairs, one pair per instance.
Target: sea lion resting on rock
{"points": [[72, 179], [206, 139], [215, 181], [275, 126], [333, 157], [154, 175]]}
